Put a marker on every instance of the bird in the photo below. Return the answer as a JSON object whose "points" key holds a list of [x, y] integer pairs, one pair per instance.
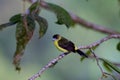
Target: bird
{"points": [[66, 45]]}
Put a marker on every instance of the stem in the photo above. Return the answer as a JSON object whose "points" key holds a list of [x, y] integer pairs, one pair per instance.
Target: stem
{"points": [[115, 36], [50, 64], [97, 60]]}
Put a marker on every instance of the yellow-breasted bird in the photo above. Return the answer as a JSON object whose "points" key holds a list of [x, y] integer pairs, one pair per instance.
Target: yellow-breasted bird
{"points": [[66, 46]]}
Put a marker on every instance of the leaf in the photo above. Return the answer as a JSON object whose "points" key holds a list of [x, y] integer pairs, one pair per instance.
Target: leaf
{"points": [[88, 53], [118, 46], [111, 65], [62, 15], [34, 6], [119, 2], [107, 67], [23, 35], [2, 26], [43, 25], [13, 20], [16, 18]]}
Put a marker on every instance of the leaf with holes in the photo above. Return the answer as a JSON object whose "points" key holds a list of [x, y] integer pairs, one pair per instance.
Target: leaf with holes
{"points": [[62, 15], [23, 35], [43, 25]]}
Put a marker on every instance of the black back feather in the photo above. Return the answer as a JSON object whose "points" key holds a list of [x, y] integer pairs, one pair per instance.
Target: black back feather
{"points": [[66, 44]]}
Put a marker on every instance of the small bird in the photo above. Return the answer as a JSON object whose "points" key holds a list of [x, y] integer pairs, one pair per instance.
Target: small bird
{"points": [[66, 46]]}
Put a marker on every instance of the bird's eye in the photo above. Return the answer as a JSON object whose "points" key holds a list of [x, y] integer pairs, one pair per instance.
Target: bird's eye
{"points": [[56, 36]]}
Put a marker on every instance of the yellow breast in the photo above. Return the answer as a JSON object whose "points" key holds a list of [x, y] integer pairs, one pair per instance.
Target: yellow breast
{"points": [[58, 47]]}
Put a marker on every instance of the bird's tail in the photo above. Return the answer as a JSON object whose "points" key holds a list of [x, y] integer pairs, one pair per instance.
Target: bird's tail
{"points": [[81, 53]]}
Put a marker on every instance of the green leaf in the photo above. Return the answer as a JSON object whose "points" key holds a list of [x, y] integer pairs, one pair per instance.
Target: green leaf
{"points": [[13, 20], [119, 2], [43, 25], [34, 6], [62, 15], [110, 64], [16, 18], [107, 67], [23, 36], [2, 26], [88, 53], [118, 46]]}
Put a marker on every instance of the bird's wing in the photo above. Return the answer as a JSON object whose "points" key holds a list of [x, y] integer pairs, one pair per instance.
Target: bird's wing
{"points": [[66, 44]]}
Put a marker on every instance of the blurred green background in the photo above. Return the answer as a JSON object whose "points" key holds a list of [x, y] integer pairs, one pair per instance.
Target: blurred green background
{"points": [[40, 51]]}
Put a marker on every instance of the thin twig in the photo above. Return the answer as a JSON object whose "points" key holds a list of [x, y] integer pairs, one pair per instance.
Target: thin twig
{"points": [[25, 21], [117, 64], [114, 36], [24, 6], [92, 26], [97, 60], [104, 74], [51, 63], [114, 78], [82, 47]]}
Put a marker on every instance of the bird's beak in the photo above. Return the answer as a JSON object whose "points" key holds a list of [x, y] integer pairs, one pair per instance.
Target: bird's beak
{"points": [[53, 39]]}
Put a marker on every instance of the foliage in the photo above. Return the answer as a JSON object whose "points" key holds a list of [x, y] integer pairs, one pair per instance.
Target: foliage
{"points": [[26, 23], [62, 15], [88, 53], [109, 65], [43, 25]]}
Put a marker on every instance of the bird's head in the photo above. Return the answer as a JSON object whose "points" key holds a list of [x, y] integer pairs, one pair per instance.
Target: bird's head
{"points": [[56, 37]]}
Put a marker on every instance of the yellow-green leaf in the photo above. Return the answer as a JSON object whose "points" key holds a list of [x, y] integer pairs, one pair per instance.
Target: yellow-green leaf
{"points": [[43, 25], [110, 64], [107, 67], [62, 15], [23, 35]]}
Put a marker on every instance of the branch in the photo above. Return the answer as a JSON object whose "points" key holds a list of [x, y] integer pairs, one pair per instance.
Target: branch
{"points": [[92, 26], [49, 65], [97, 60], [104, 74], [54, 61], [117, 64], [81, 21], [115, 36]]}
